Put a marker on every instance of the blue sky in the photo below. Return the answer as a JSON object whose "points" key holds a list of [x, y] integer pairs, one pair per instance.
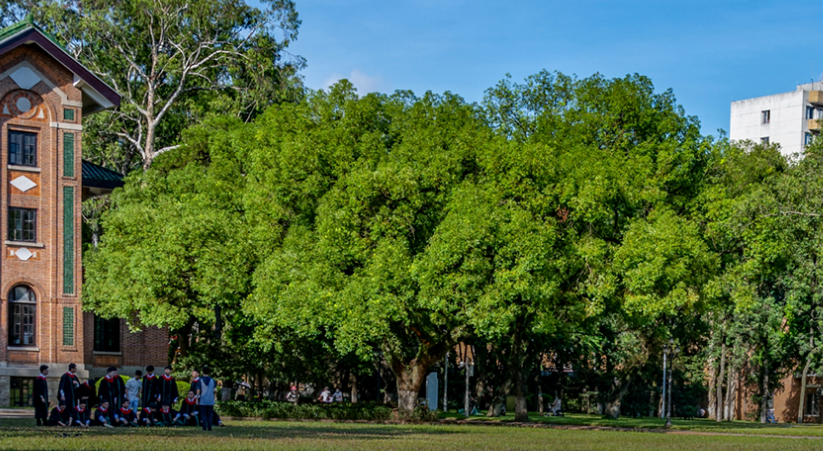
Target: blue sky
{"points": [[709, 52]]}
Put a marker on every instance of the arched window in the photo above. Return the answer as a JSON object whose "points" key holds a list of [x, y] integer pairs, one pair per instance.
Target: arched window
{"points": [[22, 316]]}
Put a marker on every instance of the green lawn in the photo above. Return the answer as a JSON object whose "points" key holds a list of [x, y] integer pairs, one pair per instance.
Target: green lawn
{"points": [[19, 435]]}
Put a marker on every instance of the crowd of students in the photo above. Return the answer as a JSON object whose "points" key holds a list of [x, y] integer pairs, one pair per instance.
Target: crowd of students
{"points": [[145, 401]]}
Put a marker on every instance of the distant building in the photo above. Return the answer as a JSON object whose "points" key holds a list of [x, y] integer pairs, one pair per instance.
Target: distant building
{"points": [[44, 95], [790, 119]]}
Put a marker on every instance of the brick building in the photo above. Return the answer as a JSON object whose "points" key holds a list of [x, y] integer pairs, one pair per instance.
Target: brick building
{"points": [[44, 94]]}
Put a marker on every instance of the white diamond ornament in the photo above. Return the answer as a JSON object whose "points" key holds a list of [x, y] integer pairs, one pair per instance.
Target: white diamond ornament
{"points": [[23, 183], [25, 78], [23, 254]]}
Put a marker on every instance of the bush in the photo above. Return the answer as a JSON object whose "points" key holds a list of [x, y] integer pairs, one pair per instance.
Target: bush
{"points": [[337, 411]]}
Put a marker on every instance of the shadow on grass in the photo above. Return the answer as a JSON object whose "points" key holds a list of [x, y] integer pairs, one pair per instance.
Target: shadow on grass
{"points": [[265, 430]]}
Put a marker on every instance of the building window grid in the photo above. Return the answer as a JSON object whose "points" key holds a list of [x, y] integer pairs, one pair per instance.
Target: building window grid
{"points": [[766, 116], [22, 316], [68, 154], [22, 148], [68, 114], [68, 240], [23, 225], [106, 334], [68, 326]]}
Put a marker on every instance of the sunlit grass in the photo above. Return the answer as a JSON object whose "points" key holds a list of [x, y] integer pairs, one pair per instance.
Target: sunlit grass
{"points": [[20, 435]]}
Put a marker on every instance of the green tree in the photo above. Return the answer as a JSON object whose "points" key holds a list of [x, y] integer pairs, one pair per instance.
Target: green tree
{"points": [[174, 62]]}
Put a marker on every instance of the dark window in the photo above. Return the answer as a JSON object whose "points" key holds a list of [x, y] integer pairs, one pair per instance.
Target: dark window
{"points": [[812, 405], [22, 316], [22, 224], [22, 149], [68, 326], [68, 114], [766, 116], [808, 139], [22, 389], [106, 334], [809, 112], [764, 140]]}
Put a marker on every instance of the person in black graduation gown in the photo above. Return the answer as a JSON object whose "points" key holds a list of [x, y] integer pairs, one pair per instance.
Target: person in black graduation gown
{"points": [[167, 388], [169, 417], [87, 393], [149, 388], [190, 410], [60, 416], [112, 389], [80, 415], [41, 397], [148, 416], [126, 416], [67, 391], [103, 415]]}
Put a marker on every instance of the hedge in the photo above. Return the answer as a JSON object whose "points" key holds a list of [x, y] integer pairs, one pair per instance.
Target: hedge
{"points": [[338, 411]]}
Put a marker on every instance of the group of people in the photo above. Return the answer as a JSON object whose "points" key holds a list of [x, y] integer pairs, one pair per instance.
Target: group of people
{"points": [[144, 401]]}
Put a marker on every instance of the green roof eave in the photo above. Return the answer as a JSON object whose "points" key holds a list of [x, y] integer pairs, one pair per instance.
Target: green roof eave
{"points": [[25, 24]]}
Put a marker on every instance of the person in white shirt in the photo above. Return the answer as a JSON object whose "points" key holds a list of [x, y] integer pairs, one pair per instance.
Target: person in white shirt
{"points": [[325, 396], [133, 390], [337, 396]]}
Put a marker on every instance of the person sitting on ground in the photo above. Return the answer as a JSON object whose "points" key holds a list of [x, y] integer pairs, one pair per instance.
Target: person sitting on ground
{"points": [[80, 415], [337, 396], [126, 416], [103, 417], [168, 416], [189, 410], [60, 416], [148, 417], [325, 396], [216, 421]]}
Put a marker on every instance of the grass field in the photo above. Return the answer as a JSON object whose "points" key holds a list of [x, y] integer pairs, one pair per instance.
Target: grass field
{"points": [[18, 434]]}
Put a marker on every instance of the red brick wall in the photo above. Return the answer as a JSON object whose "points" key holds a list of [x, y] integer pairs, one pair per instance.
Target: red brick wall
{"points": [[44, 272]]}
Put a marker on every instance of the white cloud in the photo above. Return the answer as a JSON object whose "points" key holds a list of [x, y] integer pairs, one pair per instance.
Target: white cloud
{"points": [[363, 82]]}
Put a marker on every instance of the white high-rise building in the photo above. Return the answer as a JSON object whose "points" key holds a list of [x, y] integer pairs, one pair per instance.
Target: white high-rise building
{"points": [[791, 119]]}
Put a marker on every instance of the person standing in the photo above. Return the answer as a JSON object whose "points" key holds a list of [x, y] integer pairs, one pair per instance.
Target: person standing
{"points": [[68, 387], [207, 388], [112, 388], [41, 397], [337, 396], [195, 383], [87, 394], [149, 388], [133, 390], [167, 392]]}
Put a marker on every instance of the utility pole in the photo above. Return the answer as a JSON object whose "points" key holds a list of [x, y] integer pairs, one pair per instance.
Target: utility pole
{"points": [[663, 398]]}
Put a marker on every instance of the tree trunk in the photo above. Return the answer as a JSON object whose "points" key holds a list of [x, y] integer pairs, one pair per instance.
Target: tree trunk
{"points": [[803, 389], [353, 384], [518, 355], [728, 409], [764, 403], [539, 393], [499, 399], [521, 412], [712, 390], [720, 374]]}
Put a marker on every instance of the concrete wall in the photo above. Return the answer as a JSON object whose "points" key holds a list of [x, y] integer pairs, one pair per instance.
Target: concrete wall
{"points": [[787, 126]]}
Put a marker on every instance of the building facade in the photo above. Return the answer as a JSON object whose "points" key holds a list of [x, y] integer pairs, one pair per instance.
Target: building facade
{"points": [[44, 95], [791, 119]]}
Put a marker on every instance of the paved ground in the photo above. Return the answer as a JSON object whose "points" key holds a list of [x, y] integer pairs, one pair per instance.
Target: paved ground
{"points": [[16, 413]]}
